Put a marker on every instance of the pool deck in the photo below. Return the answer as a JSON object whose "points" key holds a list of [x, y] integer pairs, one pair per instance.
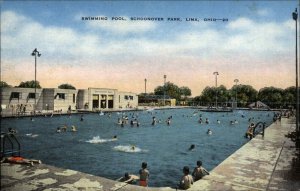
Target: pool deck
{"points": [[269, 163]]}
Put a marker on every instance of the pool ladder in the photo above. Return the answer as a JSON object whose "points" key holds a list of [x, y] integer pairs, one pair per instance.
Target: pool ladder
{"points": [[9, 139], [259, 129]]}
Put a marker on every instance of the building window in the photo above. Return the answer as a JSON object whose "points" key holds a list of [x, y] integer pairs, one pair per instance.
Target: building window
{"points": [[16, 95], [74, 98], [131, 97], [126, 97], [31, 96], [60, 96]]}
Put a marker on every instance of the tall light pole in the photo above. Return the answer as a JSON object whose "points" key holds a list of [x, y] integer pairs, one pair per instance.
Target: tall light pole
{"points": [[295, 17], [216, 74], [165, 77], [236, 81], [145, 86], [35, 53]]}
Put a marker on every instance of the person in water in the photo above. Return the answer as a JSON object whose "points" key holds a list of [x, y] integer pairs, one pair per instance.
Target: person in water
{"points": [[207, 121], [209, 132], [58, 130], [186, 180], [73, 129], [144, 175], [11, 130], [192, 147], [129, 179], [249, 133], [199, 171], [64, 128], [153, 120]]}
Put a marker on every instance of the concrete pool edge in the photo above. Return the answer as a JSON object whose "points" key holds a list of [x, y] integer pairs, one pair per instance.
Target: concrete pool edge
{"points": [[261, 164], [240, 171]]}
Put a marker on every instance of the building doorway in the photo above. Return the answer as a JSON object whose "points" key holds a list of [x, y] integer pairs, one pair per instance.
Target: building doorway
{"points": [[95, 101], [110, 101], [103, 101]]}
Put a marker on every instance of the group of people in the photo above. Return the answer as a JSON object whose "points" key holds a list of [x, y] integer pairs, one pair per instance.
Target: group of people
{"points": [[185, 182]]}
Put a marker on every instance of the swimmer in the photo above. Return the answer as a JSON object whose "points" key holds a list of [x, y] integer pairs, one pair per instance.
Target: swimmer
{"points": [[192, 147], [12, 131], [218, 121], [206, 121], [81, 118], [209, 132], [73, 129], [250, 130], [168, 121], [129, 179], [200, 120], [115, 137], [133, 147], [58, 130], [153, 120], [64, 128], [236, 122], [231, 123], [119, 121]]}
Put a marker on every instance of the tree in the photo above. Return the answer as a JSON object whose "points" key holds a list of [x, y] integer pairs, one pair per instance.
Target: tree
{"points": [[289, 97], [246, 94], [208, 95], [4, 85], [271, 96], [172, 91], [66, 86], [185, 91], [30, 84]]}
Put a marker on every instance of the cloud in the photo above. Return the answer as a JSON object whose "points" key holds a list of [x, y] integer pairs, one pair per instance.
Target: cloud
{"points": [[121, 25], [112, 52], [263, 12]]}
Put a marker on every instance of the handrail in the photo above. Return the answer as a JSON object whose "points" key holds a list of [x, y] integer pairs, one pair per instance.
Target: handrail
{"points": [[11, 138], [263, 129]]}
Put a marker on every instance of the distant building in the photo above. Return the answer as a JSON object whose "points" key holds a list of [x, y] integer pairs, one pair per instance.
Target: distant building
{"points": [[16, 101], [156, 100]]}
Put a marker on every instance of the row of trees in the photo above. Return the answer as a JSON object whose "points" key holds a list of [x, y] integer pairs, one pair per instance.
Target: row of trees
{"points": [[244, 94], [31, 84]]}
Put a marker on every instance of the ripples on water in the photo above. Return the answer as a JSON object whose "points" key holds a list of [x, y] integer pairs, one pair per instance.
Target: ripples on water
{"points": [[92, 149]]}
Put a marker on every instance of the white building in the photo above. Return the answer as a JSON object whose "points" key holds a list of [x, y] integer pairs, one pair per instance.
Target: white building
{"points": [[15, 101]]}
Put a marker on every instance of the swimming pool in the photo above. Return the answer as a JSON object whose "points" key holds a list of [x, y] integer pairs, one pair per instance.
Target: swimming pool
{"points": [[93, 150]]}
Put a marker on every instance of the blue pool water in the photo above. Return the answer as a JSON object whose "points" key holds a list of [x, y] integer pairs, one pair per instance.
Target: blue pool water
{"points": [[165, 148]]}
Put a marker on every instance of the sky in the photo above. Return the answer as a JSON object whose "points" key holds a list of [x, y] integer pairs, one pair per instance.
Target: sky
{"points": [[253, 42]]}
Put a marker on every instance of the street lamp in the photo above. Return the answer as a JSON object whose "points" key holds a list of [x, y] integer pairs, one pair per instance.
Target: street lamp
{"points": [[236, 81], [165, 76], [216, 74], [35, 53], [145, 86], [295, 17]]}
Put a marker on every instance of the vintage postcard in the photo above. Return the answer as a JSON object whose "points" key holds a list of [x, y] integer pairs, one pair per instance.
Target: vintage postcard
{"points": [[151, 93]]}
